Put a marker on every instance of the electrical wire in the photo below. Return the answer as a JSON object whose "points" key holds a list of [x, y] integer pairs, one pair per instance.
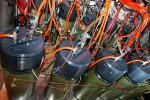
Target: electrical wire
{"points": [[59, 2], [94, 85], [98, 26], [143, 12], [103, 27], [101, 59], [113, 22], [101, 30], [68, 15], [98, 34], [46, 61], [55, 23], [6, 36], [138, 60]]}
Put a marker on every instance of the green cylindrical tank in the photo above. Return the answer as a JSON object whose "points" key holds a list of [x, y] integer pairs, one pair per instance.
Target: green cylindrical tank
{"points": [[89, 86], [58, 87], [19, 86], [122, 86], [136, 92]]}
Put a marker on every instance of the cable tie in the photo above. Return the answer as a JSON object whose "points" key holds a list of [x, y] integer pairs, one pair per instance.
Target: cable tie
{"points": [[144, 63], [118, 58], [15, 35]]}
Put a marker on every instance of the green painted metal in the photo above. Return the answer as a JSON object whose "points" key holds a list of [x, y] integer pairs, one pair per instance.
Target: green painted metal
{"points": [[58, 88], [136, 91], [122, 86], [89, 86], [123, 89], [19, 86]]}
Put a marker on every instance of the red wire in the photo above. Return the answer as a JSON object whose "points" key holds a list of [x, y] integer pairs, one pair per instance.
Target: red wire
{"points": [[21, 5], [21, 10], [135, 17]]}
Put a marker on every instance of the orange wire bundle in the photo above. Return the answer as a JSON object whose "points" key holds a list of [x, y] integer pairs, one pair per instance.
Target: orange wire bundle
{"points": [[102, 27], [104, 24], [55, 23], [143, 12], [101, 59]]}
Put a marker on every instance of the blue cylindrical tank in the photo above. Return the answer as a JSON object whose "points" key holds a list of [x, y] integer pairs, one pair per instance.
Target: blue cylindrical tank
{"points": [[137, 72], [73, 65], [110, 70]]}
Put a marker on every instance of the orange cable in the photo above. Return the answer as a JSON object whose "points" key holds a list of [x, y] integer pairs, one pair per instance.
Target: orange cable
{"points": [[132, 61], [101, 59], [137, 60], [99, 32], [34, 6], [54, 53], [69, 15], [5, 36], [55, 23], [104, 25]]}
